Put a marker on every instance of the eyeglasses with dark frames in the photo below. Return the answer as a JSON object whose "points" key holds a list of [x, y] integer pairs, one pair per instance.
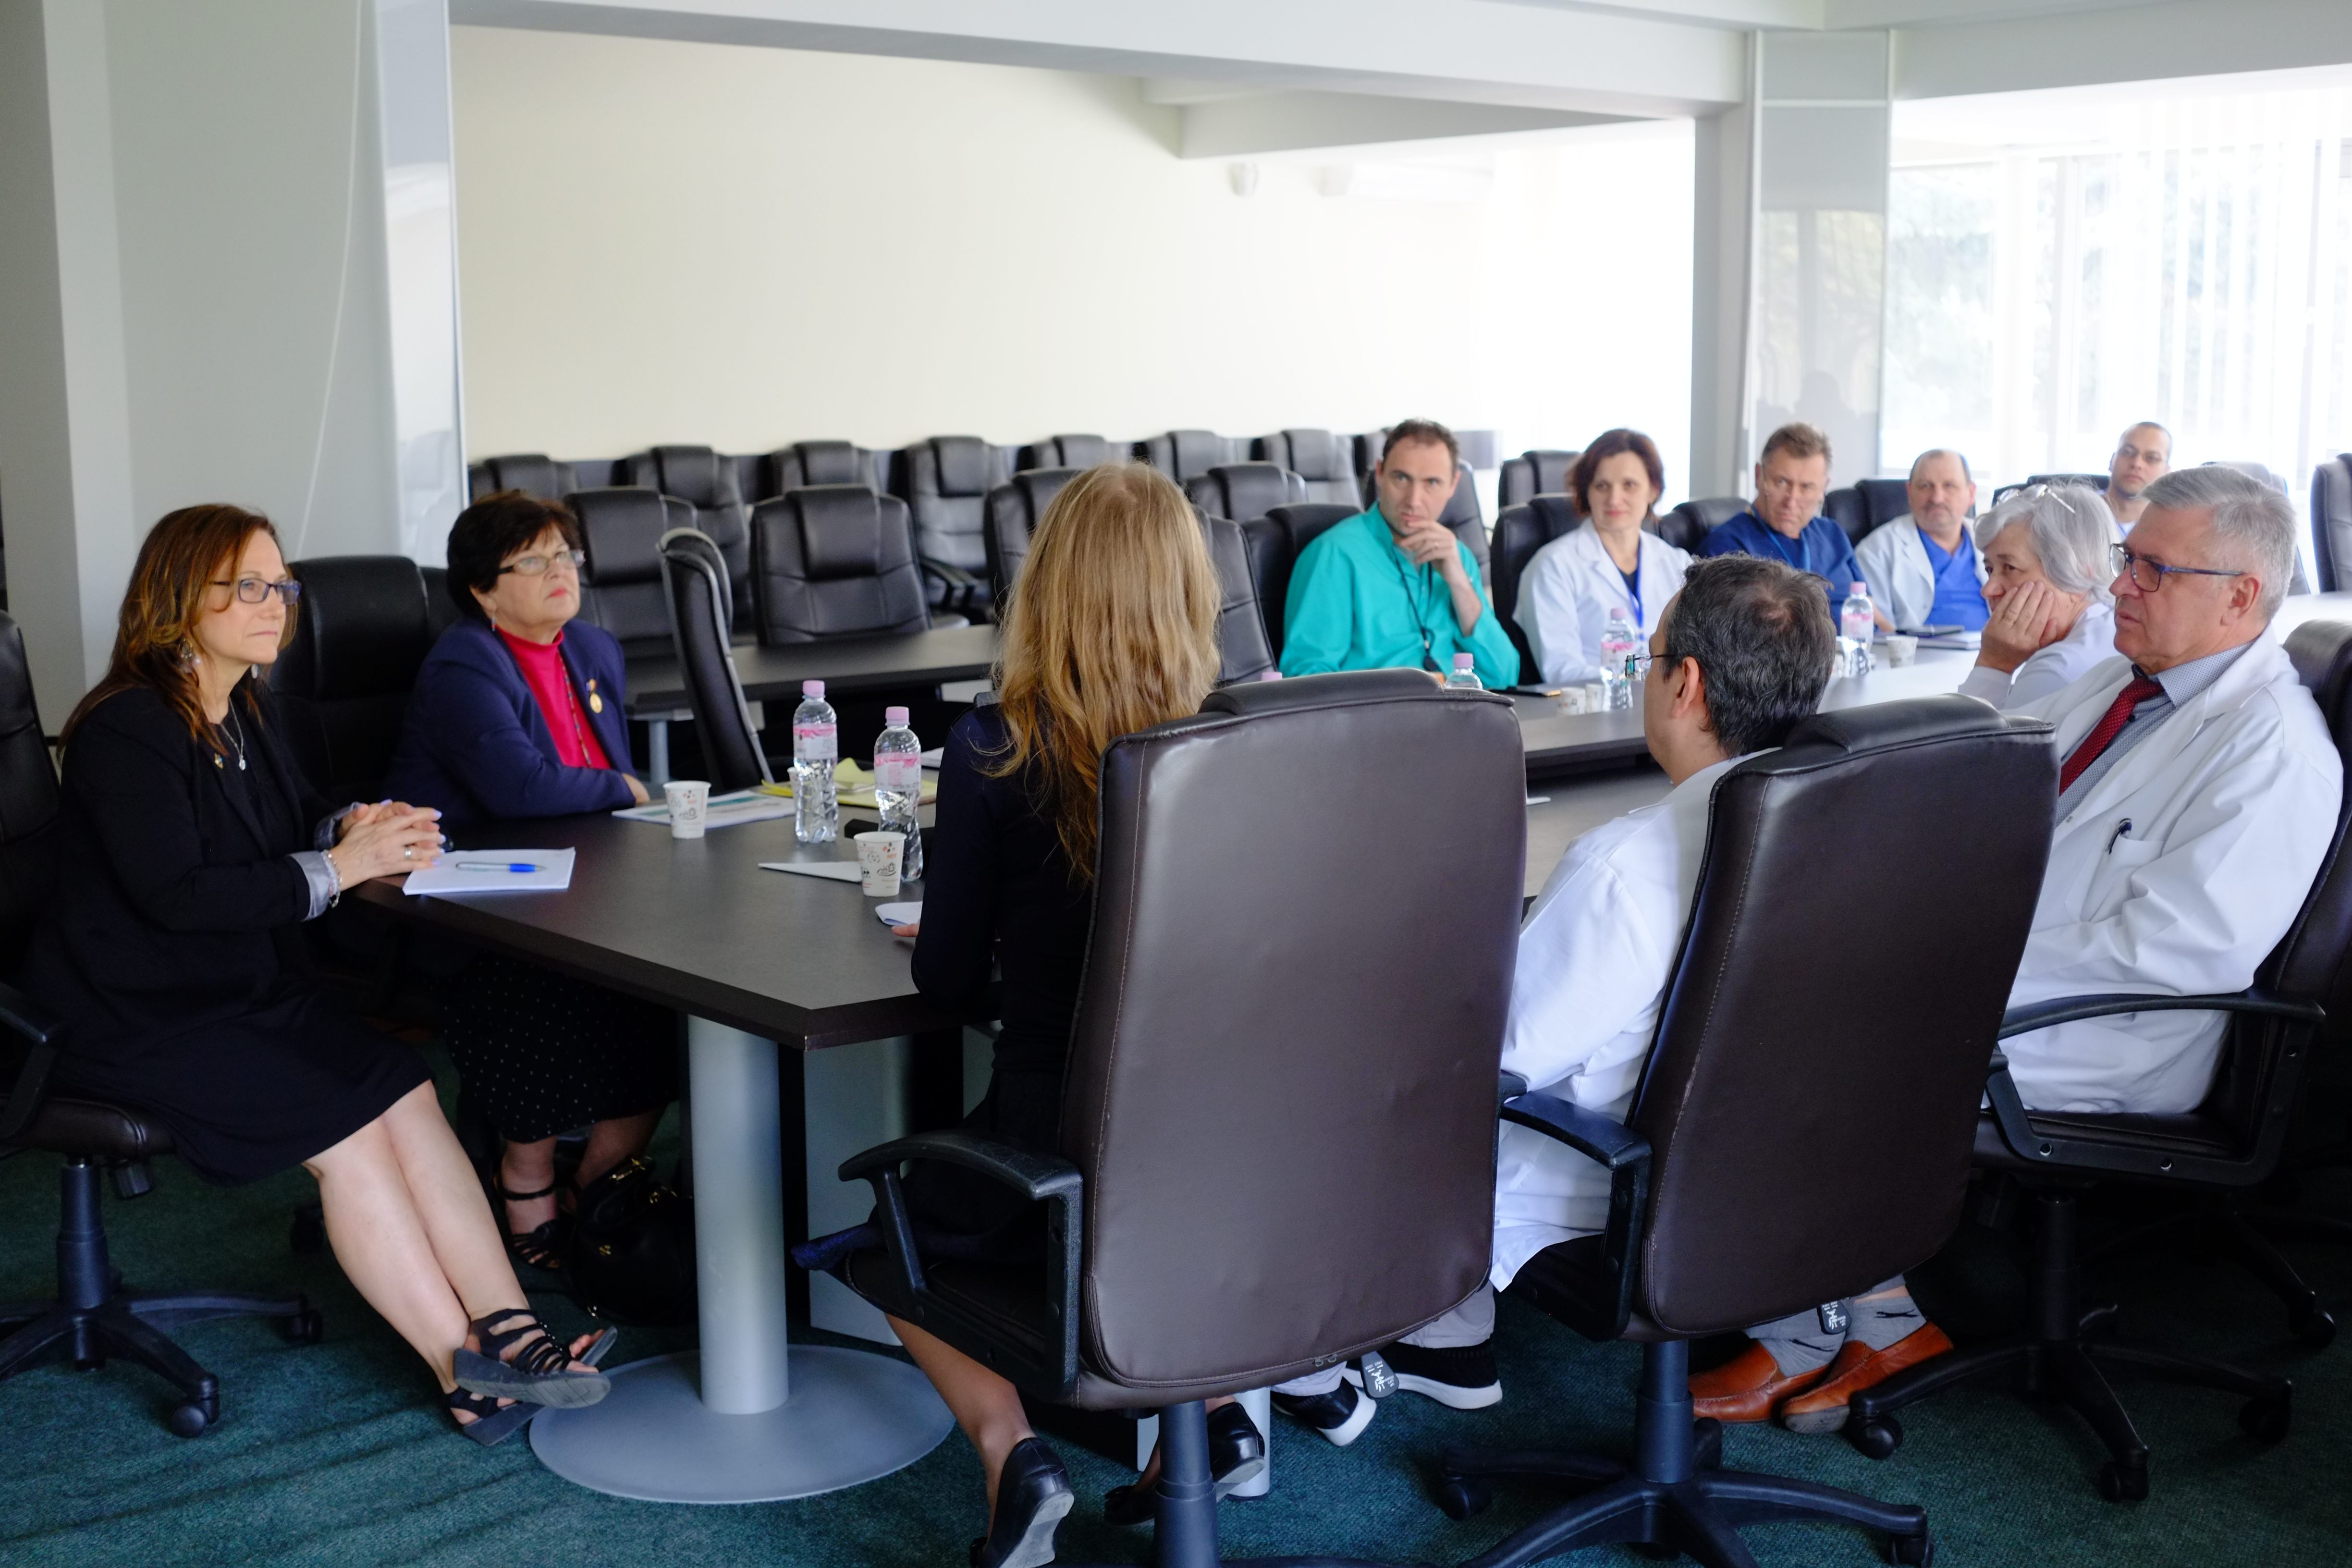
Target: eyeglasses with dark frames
{"points": [[539, 565], [2148, 576], [253, 590]]}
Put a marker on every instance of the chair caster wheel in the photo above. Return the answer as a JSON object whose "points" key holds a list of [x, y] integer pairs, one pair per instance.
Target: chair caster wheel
{"points": [[2314, 1325], [1876, 1439], [1464, 1497], [191, 1419], [2265, 1420], [1913, 1551], [2123, 1483], [304, 1327], [307, 1233]]}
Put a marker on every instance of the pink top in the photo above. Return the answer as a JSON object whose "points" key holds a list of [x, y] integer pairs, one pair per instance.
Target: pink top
{"points": [[550, 681]]}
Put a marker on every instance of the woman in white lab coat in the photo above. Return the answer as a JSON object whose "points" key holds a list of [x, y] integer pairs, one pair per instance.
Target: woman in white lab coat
{"points": [[2046, 571], [1612, 563]]}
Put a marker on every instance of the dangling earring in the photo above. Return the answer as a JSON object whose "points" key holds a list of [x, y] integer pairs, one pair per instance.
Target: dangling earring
{"points": [[189, 657]]}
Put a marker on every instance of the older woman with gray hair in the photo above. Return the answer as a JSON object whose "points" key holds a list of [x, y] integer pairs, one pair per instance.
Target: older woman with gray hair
{"points": [[2046, 576]]}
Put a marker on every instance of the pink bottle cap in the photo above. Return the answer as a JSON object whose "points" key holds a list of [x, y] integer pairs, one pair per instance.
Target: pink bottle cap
{"points": [[812, 688], [895, 716]]}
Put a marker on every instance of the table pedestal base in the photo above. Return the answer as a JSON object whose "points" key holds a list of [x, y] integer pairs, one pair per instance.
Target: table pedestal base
{"points": [[852, 1416]]}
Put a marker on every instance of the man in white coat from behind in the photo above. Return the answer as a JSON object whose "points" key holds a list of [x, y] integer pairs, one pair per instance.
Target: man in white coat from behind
{"points": [[2198, 790]]}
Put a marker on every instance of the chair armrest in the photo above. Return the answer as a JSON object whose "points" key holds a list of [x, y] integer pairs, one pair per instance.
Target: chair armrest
{"points": [[1625, 1155], [1040, 1178], [952, 576], [2008, 1107], [2071, 1009], [40, 1030]]}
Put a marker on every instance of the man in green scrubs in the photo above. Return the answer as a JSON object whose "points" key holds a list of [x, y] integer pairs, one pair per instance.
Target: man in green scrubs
{"points": [[1393, 585]]}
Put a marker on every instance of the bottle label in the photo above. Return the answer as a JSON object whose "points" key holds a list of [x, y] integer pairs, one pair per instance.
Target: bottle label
{"points": [[899, 773], [814, 743]]}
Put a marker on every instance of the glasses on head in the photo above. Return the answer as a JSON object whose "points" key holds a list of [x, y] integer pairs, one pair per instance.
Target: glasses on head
{"points": [[253, 590], [2148, 576], [538, 565]]}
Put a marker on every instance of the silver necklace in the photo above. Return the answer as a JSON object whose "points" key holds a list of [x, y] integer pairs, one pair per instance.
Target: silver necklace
{"points": [[237, 739]]}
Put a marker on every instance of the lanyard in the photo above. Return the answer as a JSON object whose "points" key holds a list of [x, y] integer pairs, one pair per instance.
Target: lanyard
{"points": [[1416, 599]]}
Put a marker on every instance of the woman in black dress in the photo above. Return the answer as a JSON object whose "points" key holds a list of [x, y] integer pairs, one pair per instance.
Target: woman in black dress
{"points": [[1111, 629], [189, 849]]}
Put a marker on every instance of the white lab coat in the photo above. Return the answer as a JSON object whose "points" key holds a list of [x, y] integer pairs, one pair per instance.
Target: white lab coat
{"points": [[1895, 564], [1571, 585], [2175, 873], [2089, 644], [1594, 957]]}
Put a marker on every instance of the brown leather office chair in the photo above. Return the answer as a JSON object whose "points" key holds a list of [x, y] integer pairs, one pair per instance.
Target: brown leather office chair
{"points": [[1803, 1124], [1207, 1237], [2223, 1149], [92, 1317]]}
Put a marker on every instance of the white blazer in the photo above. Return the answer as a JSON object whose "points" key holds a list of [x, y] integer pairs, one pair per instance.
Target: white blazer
{"points": [[1571, 585], [1594, 957], [2175, 873], [1895, 564], [2051, 669]]}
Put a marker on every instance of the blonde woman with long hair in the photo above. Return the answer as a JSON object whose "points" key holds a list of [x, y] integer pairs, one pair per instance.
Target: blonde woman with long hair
{"points": [[1110, 628]]}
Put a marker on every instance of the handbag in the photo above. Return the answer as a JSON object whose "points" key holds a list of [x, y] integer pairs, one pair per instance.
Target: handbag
{"points": [[632, 1253]]}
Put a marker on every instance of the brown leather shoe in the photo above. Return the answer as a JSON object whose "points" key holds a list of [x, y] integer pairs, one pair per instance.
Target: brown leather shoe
{"points": [[1857, 1367], [1746, 1387]]}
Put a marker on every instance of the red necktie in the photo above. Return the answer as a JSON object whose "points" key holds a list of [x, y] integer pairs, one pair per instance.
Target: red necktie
{"points": [[2110, 725]]}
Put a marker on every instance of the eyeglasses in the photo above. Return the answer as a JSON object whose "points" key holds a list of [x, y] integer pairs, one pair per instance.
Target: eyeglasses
{"points": [[253, 590], [2148, 576], [537, 565], [1637, 665]]}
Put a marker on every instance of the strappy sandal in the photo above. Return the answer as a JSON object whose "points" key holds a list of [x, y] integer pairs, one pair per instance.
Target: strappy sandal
{"points": [[539, 1372], [493, 1423], [541, 1246]]}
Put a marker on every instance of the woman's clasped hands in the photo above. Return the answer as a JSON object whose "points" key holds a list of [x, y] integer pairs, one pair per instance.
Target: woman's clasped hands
{"points": [[385, 839]]}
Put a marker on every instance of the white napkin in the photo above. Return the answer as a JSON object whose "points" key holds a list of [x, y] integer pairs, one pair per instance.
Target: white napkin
{"points": [[899, 914]]}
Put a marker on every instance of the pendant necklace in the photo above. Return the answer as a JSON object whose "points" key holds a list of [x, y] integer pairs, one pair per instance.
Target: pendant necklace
{"points": [[237, 740]]}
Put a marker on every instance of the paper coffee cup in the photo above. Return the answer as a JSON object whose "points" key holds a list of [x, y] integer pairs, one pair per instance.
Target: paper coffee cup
{"points": [[878, 863], [1902, 650], [689, 806]]}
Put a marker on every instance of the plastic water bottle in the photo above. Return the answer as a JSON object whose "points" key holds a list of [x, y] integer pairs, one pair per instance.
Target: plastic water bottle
{"points": [[816, 746], [1464, 674], [1856, 626], [1620, 641], [898, 786]]}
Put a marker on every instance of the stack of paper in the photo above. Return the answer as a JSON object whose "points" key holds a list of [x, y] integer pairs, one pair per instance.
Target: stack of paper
{"points": [[495, 871]]}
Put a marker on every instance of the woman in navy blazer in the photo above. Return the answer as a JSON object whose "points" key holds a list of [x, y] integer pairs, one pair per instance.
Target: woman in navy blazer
{"points": [[518, 712]]}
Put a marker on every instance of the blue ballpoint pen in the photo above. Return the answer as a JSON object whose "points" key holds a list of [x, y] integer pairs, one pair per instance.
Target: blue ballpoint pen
{"points": [[496, 865]]}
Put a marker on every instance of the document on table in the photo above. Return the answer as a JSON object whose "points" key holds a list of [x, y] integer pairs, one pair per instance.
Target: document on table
{"points": [[495, 871], [838, 870], [754, 805]]}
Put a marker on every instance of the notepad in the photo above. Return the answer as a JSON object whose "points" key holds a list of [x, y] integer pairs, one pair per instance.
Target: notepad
{"points": [[727, 810], [836, 870], [551, 872], [852, 785]]}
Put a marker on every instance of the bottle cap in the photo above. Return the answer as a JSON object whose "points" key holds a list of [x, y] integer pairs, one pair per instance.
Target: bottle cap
{"points": [[1269, 675], [895, 717], [1463, 661], [1862, 587], [812, 688]]}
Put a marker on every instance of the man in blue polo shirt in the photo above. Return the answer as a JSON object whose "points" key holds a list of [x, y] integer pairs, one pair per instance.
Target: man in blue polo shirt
{"points": [[1785, 523], [1922, 567]]}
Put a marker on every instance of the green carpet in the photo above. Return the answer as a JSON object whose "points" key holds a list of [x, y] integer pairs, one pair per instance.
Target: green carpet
{"points": [[339, 1453]]}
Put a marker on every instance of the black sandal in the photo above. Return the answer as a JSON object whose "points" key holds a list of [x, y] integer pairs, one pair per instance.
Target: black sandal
{"points": [[540, 1372], [493, 1423], [541, 1246]]}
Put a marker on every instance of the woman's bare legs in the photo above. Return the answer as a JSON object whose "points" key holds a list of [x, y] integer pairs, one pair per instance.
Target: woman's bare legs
{"points": [[529, 1167], [986, 1407]]}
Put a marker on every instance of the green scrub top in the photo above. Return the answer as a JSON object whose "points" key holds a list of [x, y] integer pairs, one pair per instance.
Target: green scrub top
{"points": [[1358, 602]]}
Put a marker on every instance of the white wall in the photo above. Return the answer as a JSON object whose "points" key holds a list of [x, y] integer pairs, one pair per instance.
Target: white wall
{"points": [[665, 241]]}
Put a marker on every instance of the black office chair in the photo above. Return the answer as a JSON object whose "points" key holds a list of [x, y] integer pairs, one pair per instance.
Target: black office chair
{"points": [[1520, 532], [1538, 471], [93, 1317], [1205, 1238], [2331, 522], [1686, 524], [1465, 516], [710, 483], [1866, 505], [621, 589], [835, 561], [1778, 1154], [1069, 452], [1324, 463], [1244, 491], [1274, 542], [947, 480], [363, 626], [533, 473], [441, 611], [1188, 454], [806, 463], [694, 585], [2229, 1144], [1245, 652], [1015, 508]]}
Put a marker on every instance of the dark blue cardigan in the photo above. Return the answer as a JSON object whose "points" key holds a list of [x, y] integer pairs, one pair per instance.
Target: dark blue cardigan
{"points": [[475, 744]]}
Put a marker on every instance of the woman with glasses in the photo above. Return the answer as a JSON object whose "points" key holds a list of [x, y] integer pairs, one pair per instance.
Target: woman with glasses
{"points": [[189, 847], [2046, 574], [519, 712]]}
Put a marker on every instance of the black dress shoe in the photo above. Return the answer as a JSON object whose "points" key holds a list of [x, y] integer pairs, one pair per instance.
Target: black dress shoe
{"points": [[1033, 1496], [1236, 1458]]}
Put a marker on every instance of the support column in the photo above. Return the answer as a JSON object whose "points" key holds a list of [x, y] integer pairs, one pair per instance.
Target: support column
{"points": [[1723, 239]]}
